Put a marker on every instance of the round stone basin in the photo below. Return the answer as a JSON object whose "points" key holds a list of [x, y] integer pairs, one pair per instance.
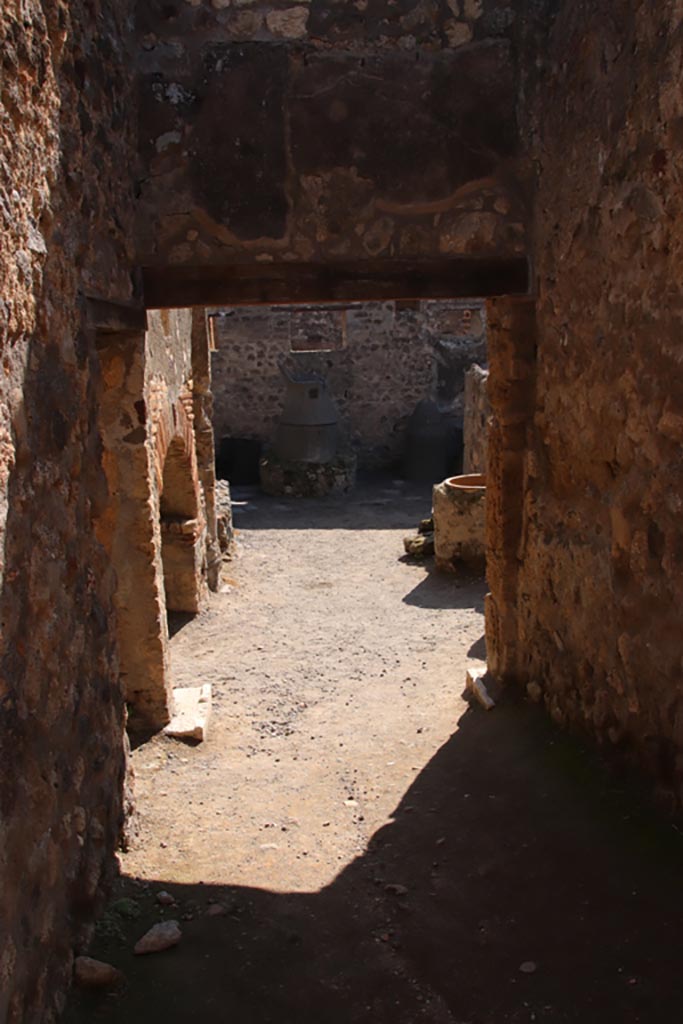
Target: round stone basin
{"points": [[468, 482], [459, 511]]}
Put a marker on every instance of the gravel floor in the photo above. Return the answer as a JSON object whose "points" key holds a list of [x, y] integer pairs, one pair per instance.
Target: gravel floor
{"points": [[337, 670]]}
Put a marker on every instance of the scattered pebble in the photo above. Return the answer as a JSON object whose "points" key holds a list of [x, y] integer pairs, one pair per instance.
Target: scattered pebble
{"points": [[91, 973], [165, 898], [216, 910], [160, 937], [474, 682], [528, 967]]}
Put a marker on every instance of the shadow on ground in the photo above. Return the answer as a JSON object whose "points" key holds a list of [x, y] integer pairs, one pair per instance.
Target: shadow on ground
{"points": [[178, 621], [372, 505], [447, 590], [513, 846]]}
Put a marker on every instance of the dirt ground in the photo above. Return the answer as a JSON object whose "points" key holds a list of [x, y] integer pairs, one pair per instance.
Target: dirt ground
{"points": [[354, 842]]}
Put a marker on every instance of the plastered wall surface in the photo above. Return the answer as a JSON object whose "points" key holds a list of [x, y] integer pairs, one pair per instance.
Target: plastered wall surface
{"points": [[328, 130]]}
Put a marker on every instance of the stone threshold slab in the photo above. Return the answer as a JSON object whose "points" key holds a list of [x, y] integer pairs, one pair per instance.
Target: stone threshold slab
{"points": [[192, 711]]}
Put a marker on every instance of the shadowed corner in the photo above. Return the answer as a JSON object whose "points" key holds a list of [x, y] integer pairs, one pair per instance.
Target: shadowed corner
{"points": [[478, 649], [178, 621]]}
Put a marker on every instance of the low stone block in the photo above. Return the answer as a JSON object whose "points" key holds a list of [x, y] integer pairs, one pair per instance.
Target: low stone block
{"points": [[475, 682], [192, 712], [308, 479]]}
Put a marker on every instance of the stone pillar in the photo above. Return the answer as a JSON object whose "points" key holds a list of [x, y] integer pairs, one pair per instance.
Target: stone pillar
{"points": [[127, 530], [476, 422], [511, 392]]}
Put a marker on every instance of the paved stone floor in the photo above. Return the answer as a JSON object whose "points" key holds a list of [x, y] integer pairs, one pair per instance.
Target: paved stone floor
{"points": [[354, 842]]}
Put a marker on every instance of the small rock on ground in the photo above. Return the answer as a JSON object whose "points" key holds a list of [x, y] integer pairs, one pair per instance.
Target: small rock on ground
{"points": [[216, 910], [476, 683], [90, 973], [528, 967], [192, 712], [160, 937], [419, 546]]}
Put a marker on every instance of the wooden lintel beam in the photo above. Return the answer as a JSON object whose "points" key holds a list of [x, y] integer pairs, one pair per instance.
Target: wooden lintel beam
{"points": [[363, 281], [108, 317]]}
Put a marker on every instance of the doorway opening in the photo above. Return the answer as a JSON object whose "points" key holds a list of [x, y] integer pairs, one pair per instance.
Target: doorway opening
{"points": [[395, 372]]}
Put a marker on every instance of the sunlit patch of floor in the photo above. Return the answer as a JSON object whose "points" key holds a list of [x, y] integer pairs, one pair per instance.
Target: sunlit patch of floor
{"points": [[337, 670]]}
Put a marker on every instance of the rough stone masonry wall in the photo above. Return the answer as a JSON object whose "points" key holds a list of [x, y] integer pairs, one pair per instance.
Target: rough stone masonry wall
{"points": [[146, 411], [204, 441], [177, 498], [328, 130], [601, 578], [65, 216], [382, 360]]}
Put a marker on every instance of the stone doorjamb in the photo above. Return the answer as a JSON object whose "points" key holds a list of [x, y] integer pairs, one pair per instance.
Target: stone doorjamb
{"points": [[128, 530], [511, 342]]}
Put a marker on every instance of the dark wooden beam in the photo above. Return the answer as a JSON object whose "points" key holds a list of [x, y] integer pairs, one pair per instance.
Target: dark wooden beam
{"points": [[253, 284], [108, 317]]}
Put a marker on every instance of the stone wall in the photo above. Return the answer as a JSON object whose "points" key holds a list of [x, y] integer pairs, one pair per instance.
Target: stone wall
{"points": [[129, 529], [260, 140], [179, 508], [381, 360], [202, 411], [66, 209], [328, 130], [601, 571], [155, 524], [267, 132], [322, 131]]}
